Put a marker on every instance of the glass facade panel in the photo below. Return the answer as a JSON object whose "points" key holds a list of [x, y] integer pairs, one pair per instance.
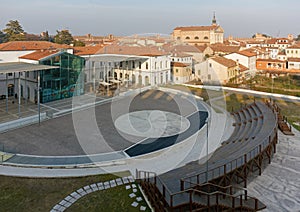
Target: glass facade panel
{"points": [[65, 81]]}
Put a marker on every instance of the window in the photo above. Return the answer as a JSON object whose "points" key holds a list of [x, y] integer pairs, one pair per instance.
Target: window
{"points": [[209, 77], [178, 38], [10, 74], [196, 38], [187, 38], [133, 64], [121, 64], [176, 70], [205, 38], [210, 65], [147, 65], [34, 74], [140, 65], [27, 74], [291, 64]]}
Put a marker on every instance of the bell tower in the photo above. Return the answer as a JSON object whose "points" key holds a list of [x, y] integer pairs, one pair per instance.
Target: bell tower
{"points": [[214, 20]]}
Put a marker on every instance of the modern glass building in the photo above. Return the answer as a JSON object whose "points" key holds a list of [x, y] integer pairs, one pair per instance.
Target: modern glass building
{"points": [[65, 81]]}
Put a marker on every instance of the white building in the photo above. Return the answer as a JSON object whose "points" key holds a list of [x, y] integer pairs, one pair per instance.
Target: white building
{"points": [[245, 57]]}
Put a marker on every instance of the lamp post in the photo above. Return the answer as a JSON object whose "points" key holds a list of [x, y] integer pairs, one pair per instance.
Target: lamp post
{"points": [[206, 176]]}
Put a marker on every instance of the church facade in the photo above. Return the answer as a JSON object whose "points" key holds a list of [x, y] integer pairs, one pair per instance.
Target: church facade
{"points": [[200, 35]]}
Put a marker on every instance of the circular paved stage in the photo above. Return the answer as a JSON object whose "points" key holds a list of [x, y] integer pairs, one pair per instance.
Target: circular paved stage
{"points": [[132, 125]]}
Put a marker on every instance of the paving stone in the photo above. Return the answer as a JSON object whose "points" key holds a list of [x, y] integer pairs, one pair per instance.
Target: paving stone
{"points": [[56, 207], [88, 189], [106, 185], [68, 204], [119, 181], [112, 183], [75, 194], [73, 200], [125, 180], [100, 186], [132, 195], [139, 199], [134, 190], [131, 179], [81, 192], [135, 204], [94, 187], [68, 198], [143, 208], [63, 202], [128, 187]]}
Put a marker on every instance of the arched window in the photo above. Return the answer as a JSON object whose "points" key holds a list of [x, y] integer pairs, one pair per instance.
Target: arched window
{"points": [[196, 38], [187, 38], [205, 38]]}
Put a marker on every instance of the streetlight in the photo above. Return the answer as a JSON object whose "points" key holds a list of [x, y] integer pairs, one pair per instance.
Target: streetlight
{"points": [[206, 122]]}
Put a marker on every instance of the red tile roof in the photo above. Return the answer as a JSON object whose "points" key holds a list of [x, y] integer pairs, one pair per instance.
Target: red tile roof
{"points": [[296, 46], [270, 60], [87, 50], [293, 59], [30, 45], [224, 48], [177, 64], [196, 28], [38, 55], [225, 62], [247, 53], [243, 68], [132, 50]]}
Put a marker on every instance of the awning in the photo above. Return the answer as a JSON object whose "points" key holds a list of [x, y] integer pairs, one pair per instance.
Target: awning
{"points": [[15, 67]]}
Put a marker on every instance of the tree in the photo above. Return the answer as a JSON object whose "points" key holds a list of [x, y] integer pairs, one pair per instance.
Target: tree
{"points": [[298, 38], [2, 37], [44, 36], [78, 43], [63, 37], [14, 31]]}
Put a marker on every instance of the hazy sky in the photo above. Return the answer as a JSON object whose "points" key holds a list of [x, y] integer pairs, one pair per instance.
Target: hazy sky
{"points": [[240, 18]]}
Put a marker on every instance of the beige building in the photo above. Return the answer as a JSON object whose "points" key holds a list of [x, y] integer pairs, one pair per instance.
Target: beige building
{"points": [[219, 71], [181, 72], [199, 35]]}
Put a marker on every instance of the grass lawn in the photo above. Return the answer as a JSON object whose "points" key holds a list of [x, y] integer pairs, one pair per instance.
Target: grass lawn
{"points": [[41, 194]]}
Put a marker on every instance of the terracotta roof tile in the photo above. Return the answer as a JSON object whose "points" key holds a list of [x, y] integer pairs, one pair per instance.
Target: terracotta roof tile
{"points": [[38, 55], [293, 59], [177, 64], [30, 45], [196, 28], [132, 50], [270, 60], [247, 53], [225, 62], [87, 50], [225, 48]]}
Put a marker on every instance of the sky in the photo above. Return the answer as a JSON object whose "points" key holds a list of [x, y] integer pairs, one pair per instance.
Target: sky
{"points": [[239, 18]]}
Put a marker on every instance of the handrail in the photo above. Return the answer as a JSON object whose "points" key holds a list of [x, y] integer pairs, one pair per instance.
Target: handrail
{"points": [[250, 155], [271, 133]]}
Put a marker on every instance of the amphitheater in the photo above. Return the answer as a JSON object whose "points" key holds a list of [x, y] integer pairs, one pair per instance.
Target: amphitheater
{"points": [[185, 156]]}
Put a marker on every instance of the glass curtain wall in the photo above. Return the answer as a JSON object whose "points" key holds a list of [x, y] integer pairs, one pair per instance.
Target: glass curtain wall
{"points": [[65, 81]]}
